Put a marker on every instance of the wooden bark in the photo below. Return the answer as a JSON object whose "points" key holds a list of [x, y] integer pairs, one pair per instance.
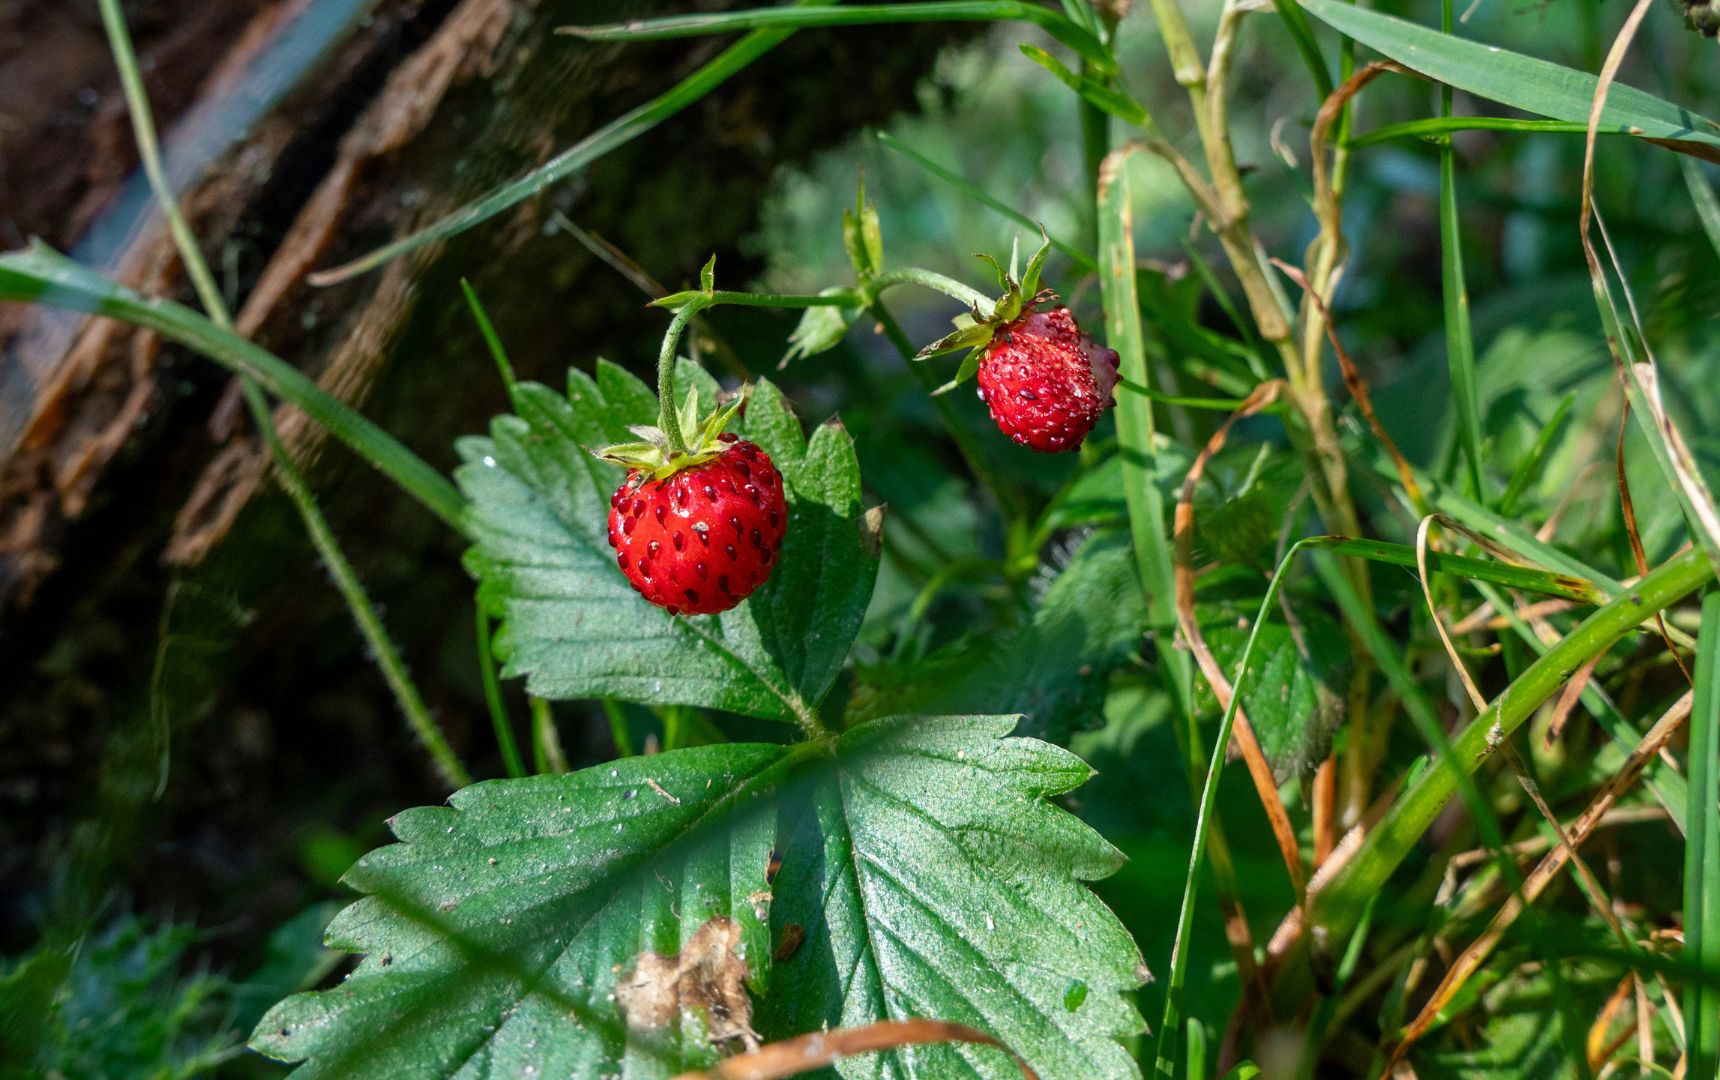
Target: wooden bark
{"points": [[127, 473]]}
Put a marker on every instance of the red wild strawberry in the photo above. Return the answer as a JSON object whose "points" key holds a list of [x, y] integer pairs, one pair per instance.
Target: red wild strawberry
{"points": [[700, 539], [1045, 381]]}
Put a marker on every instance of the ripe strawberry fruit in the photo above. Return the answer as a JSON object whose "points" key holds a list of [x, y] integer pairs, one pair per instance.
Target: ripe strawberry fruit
{"points": [[700, 539], [1045, 381]]}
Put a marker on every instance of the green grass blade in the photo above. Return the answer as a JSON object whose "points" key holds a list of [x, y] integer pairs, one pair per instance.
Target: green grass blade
{"points": [[617, 133], [1526, 578], [322, 537], [1434, 127], [1702, 195], [1111, 102], [1059, 26], [1335, 907], [1459, 340], [1702, 852], [1148, 521], [1522, 82], [1302, 34], [1530, 466], [491, 339], [1662, 780], [42, 275], [967, 187]]}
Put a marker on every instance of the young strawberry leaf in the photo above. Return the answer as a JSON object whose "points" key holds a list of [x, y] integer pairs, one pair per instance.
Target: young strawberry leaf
{"points": [[572, 624], [1294, 698], [820, 329], [625, 919], [1052, 669]]}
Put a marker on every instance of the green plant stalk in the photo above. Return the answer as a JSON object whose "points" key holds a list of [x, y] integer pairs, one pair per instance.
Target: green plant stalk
{"points": [[292, 481], [1335, 908], [618, 733], [547, 755], [493, 698], [1702, 852], [668, 419]]}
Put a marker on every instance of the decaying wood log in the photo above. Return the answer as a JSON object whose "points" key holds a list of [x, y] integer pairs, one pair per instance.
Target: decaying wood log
{"points": [[126, 473]]}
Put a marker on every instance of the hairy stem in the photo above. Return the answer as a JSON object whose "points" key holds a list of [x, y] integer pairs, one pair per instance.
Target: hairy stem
{"points": [[291, 480]]}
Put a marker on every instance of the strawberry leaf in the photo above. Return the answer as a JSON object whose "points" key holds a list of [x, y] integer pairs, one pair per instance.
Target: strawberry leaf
{"points": [[571, 624], [550, 926], [931, 879], [1052, 668], [820, 329], [1294, 696]]}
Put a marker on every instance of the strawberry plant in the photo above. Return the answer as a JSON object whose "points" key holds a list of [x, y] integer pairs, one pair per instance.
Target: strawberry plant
{"points": [[1358, 688]]}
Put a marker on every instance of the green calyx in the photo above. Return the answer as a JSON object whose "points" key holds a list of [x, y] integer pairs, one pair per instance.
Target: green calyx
{"points": [[654, 458], [976, 327]]}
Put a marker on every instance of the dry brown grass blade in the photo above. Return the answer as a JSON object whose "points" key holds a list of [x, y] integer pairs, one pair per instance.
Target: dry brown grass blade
{"points": [[1325, 810], [1628, 507], [1599, 1046], [1243, 737], [1642, 376], [1326, 253], [1548, 868], [1358, 388], [820, 1049], [1568, 698]]}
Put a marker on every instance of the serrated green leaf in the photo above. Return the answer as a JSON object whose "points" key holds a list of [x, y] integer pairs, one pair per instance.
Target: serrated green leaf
{"points": [[497, 930], [1052, 668], [1291, 698], [931, 879], [574, 627], [820, 329], [506, 933]]}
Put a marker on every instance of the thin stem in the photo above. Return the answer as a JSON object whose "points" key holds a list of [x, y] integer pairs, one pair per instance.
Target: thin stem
{"points": [[493, 698], [1007, 498], [722, 297], [911, 275], [547, 755], [667, 403], [291, 480]]}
